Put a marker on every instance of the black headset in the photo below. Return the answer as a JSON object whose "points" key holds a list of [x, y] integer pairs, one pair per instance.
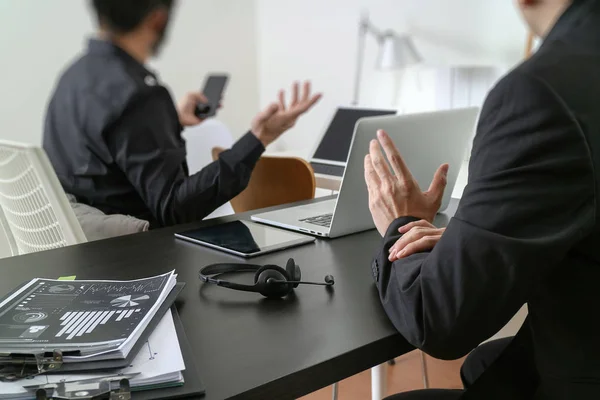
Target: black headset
{"points": [[271, 281]]}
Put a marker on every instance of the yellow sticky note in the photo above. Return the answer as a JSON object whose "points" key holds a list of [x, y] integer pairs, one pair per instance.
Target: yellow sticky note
{"points": [[67, 278]]}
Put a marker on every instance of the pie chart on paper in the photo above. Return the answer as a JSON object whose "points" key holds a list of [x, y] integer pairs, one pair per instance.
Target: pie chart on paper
{"points": [[128, 301], [58, 289]]}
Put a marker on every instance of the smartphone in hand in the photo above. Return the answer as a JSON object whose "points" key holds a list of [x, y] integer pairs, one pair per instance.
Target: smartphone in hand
{"points": [[214, 87]]}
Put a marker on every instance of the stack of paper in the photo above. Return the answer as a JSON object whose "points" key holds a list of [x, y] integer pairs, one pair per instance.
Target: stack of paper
{"points": [[87, 320], [92, 322], [158, 364]]}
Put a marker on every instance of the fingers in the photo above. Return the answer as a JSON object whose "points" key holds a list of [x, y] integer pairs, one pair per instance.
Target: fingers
{"points": [[425, 243], [371, 176], [306, 102], [295, 94], [268, 112], [422, 223], [405, 240], [309, 104], [300, 104], [414, 235], [378, 161], [393, 155], [197, 97], [439, 182], [282, 99], [306, 92]]}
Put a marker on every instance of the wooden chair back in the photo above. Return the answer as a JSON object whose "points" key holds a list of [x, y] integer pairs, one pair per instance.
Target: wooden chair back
{"points": [[275, 181]]}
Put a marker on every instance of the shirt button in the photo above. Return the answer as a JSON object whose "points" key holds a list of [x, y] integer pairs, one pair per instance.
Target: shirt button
{"points": [[375, 270], [150, 80]]}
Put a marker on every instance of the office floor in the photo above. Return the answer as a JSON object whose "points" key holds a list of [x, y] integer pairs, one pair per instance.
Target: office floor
{"points": [[404, 376]]}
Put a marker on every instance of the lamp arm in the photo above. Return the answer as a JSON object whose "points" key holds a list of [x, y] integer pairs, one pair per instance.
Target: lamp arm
{"points": [[365, 28], [362, 36], [370, 28]]}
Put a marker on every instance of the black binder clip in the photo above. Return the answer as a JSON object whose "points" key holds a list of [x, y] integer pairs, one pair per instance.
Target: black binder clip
{"points": [[14, 367], [86, 390]]}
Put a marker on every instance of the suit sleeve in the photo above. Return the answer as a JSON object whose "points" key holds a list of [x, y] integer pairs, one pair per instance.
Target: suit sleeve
{"points": [[529, 199], [152, 158]]}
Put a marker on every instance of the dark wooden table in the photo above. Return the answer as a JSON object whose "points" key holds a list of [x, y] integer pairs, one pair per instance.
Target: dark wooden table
{"points": [[247, 347]]}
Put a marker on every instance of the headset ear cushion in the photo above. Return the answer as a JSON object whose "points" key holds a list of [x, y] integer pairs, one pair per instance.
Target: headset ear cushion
{"points": [[293, 271], [283, 272], [272, 290]]}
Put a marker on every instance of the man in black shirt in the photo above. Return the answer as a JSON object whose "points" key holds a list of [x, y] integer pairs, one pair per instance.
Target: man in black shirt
{"points": [[113, 133]]}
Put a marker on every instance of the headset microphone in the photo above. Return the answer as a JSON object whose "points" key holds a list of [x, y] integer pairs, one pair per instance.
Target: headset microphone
{"points": [[269, 280], [329, 281]]}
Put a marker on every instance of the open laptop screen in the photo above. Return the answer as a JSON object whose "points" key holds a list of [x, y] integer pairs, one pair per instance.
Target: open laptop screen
{"points": [[335, 145]]}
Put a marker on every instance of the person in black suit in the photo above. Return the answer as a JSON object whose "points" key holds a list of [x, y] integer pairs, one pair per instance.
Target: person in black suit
{"points": [[526, 230]]}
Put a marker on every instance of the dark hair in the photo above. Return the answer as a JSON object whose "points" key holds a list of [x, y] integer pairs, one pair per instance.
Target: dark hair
{"points": [[123, 16]]}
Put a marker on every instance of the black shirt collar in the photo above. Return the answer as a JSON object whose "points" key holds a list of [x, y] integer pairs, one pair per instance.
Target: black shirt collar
{"points": [[574, 15], [100, 46]]}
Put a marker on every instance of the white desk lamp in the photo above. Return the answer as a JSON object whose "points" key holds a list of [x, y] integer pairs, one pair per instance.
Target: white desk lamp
{"points": [[396, 52]]}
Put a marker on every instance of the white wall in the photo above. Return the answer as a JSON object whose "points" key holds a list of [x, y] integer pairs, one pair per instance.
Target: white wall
{"points": [[215, 36], [316, 39], [263, 44], [38, 38]]}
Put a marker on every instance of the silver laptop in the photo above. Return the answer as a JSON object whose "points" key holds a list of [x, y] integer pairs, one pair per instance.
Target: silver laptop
{"points": [[330, 156], [425, 141]]}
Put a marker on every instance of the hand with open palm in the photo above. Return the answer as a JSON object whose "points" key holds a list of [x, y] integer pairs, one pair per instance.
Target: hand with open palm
{"points": [[278, 117], [397, 194]]}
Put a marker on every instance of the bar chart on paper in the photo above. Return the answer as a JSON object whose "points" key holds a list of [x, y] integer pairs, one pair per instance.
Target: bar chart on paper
{"points": [[77, 314], [93, 332], [79, 323]]}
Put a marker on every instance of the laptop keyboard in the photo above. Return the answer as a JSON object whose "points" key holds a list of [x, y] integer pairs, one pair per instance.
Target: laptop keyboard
{"points": [[321, 220], [326, 169]]}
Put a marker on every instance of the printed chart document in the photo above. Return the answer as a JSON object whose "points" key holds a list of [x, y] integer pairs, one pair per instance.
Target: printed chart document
{"points": [[158, 364], [86, 320]]}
